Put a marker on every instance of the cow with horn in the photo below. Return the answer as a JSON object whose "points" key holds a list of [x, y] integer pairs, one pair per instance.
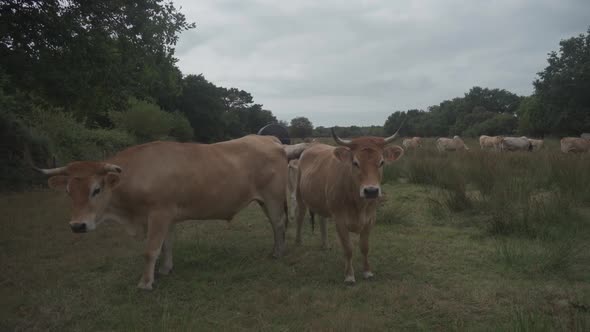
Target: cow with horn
{"points": [[343, 183], [148, 188]]}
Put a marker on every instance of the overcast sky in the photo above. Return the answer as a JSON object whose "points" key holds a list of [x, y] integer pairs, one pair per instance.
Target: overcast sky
{"points": [[355, 62]]}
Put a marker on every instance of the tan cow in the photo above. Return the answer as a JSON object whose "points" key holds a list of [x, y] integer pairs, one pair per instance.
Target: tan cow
{"points": [[575, 144], [536, 144], [490, 142], [343, 183], [151, 187], [412, 143], [451, 144]]}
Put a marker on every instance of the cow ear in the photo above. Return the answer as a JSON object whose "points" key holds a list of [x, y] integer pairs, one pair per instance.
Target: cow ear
{"points": [[343, 154], [392, 153], [58, 182], [111, 180]]}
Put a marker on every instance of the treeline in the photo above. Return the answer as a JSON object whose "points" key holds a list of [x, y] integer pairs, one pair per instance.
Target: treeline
{"points": [[83, 79], [559, 106]]}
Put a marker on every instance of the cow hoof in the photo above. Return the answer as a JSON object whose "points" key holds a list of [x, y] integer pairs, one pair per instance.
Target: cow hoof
{"points": [[368, 275], [165, 270], [144, 285], [349, 280]]}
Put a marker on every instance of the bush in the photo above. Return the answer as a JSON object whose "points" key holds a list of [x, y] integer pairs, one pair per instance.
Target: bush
{"points": [[71, 140], [15, 138], [148, 122]]}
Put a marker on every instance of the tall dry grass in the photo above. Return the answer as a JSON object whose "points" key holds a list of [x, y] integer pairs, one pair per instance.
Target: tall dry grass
{"points": [[521, 193]]}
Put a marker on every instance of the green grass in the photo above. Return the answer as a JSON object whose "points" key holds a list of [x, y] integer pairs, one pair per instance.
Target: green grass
{"points": [[432, 273]]}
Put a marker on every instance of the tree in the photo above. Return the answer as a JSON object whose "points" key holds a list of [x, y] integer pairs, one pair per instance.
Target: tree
{"points": [[202, 104], [300, 127], [561, 103], [89, 57]]}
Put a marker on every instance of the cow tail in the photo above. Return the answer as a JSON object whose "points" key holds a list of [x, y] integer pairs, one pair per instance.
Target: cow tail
{"points": [[312, 220]]}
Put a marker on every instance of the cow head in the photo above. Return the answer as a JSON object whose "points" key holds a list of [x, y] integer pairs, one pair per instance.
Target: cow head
{"points": [[89, 185], [366, 156]]}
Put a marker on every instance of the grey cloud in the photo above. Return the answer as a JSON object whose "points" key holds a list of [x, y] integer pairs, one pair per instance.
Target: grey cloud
{"points": [[344, 62]]}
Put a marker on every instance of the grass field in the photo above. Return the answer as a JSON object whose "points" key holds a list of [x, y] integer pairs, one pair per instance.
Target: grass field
{"points": [[457, 247]]}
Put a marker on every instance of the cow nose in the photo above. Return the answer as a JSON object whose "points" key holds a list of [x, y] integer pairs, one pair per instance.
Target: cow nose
{"points": [[371, 192], [78, 227]]}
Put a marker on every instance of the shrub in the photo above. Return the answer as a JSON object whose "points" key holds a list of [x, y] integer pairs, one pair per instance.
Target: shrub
{"points": [[15, 138], [148, 122]]}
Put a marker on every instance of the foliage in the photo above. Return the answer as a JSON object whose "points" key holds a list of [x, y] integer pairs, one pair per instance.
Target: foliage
{"points": [[300, 127], [561, 102], [71, 140], [89, 57], [480, 111], [351, 131], [148, 122]]}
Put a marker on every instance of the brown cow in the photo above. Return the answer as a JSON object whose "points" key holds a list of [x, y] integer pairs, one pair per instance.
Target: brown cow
{"points": [[151, 187], [490, 142], [575, 144], [343, 184]]}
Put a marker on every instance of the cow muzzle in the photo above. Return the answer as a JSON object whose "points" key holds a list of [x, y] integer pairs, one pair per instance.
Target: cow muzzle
{"points": [[370, 192], [78, 227]]}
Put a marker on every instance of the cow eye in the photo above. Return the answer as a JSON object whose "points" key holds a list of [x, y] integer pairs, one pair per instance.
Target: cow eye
{"points": [[355, 163], [95, 191]]}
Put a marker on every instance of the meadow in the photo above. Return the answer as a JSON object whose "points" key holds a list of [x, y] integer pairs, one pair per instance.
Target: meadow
{"points": [[473, 240]]}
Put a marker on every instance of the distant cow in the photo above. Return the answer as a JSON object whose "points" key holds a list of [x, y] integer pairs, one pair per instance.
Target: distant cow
{"points": [[575, 144], [516, 144], [451, 144], [490, 142], [412, 143], [585, 136], [537, 144], [343, 183], [151, 187]]}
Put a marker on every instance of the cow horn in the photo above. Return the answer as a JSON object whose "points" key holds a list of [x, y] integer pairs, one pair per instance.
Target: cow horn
{"points": [[392, 137], [340, 141], [52, 171], [112, 168]]}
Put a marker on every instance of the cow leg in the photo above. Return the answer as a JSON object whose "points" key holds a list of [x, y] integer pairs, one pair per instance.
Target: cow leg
{"points": [[166, 265], [293, 206], [300, 211], [275, 212], [323, 232], [157, 232], [344, 237], [364, 244]]}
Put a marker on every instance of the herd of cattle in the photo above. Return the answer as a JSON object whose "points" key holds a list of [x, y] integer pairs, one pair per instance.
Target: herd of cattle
{"points": [[149, 188], [501, 143]]}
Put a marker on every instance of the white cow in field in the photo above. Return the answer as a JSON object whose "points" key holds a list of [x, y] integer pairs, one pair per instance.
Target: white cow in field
{"points": [[451, 144], [412, 143], [516, 144]]}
